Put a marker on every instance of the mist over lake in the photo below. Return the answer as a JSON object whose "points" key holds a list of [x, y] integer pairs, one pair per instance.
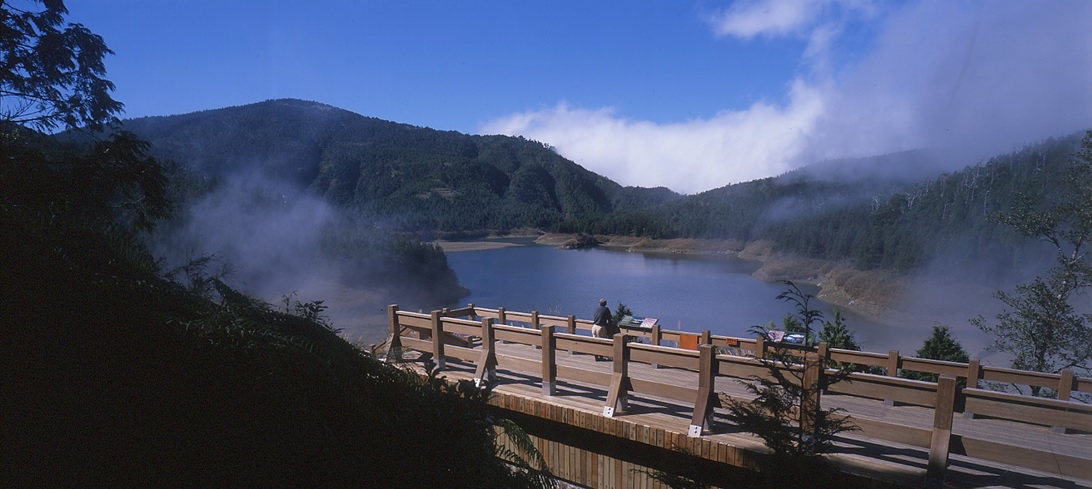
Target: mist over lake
{"points": [[687, 292]]}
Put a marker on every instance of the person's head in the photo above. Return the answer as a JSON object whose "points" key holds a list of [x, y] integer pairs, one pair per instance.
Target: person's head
{"points": [[602, 302]]}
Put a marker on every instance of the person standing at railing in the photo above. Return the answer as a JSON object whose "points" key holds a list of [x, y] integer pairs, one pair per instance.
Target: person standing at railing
{"points": [[601, 324]]}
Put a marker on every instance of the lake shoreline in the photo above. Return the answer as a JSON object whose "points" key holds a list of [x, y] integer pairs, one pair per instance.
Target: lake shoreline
{"points": [[880, 296], [905, 306], [869, 293]]}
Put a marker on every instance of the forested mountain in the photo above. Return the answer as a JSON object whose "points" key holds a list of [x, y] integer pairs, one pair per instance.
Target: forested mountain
{"points": [[893, 211], [404, 177], [876, 219]]}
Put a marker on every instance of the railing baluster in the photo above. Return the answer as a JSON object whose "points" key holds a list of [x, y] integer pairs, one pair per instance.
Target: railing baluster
{"points": [[942, 431], [891, 370], [549, 361], [438, 340], [620, 386], [810, 389], [487, 365], [707, 398], [394, 342], [1065, 389]]}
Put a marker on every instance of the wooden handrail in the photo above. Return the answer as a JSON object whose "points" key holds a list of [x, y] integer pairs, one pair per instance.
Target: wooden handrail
{"points": [[891, 361], [443, 334]]}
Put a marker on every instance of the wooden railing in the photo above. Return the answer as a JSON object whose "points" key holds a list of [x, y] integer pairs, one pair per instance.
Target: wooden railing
{"points": [[470, 335]]}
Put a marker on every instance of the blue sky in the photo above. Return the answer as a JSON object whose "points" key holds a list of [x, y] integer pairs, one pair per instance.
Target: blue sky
{"points": [[691, 95]]}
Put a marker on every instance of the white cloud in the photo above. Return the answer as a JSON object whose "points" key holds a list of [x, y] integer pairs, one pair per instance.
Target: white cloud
{"points": [[686, 157], [980, 78], [751, 18]]}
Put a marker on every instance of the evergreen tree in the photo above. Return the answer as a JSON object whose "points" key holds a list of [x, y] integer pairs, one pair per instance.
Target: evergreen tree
{"points": [[837, 335], [938, 346], [1041, 328]]}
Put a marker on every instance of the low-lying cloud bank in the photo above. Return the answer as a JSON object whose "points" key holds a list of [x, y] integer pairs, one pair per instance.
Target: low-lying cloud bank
{"points": [[974, 78]]}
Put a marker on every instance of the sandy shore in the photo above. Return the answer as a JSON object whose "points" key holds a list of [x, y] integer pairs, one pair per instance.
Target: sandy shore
{"points": [[457, 246]]}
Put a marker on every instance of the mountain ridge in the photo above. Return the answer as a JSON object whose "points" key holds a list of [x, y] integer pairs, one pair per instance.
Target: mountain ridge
{"points": [[387, 169], [446, 184]]}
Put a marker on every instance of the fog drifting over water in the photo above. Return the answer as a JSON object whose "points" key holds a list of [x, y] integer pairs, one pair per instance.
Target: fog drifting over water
{"points": [[267, 232]]}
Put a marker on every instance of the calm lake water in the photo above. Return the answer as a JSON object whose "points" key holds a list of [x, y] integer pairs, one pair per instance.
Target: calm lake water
{"points": [[691, 293]]}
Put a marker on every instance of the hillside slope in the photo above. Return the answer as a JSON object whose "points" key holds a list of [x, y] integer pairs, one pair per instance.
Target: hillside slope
{"points": [[407, 177]]}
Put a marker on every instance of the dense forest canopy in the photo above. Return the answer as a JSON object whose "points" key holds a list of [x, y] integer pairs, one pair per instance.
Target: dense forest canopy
{"points": [[400, 176], [895, 212]]}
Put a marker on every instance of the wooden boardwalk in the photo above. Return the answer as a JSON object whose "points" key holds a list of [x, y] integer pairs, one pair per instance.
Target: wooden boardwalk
{"points": [[882, 460]]}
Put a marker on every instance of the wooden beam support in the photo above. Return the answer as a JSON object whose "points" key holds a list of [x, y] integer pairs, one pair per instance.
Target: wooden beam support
{"points": [[549, 361], [974, 372], [618, 392], [942, 432], [1065, 389], [438, 340], [486, 371], [535, 324], [394, 335], [707, 399], [891, 370], [655, 338], [810, 392]]}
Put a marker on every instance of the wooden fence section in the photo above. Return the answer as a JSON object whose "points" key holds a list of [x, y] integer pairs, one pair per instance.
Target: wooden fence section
{"points": [[470, 335]]}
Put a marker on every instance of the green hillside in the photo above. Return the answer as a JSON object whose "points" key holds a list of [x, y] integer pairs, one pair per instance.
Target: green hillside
{"points": [[400, 176], [891, 224], [896, 212]]}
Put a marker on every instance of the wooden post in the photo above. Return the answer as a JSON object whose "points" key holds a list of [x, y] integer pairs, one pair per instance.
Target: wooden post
{"points": [[974, 372], [570, 326], [487, 364], [707, 398], [534, 324], [657, 335], [549, 361], [438, 340], [473, 312], [809, 393], [1065, 384], [892, 370], [892, 367], [706, 338], [619, 383], [942, 431], [823, 351], [502, 318], [760, 346], [1065, 389], [394, 340]]}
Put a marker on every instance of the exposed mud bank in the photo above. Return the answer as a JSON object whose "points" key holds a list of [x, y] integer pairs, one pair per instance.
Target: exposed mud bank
{"points": [[870, 293]]}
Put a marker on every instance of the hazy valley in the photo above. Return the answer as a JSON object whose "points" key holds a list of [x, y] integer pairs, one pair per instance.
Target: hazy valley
{"points": [[298, 196]]}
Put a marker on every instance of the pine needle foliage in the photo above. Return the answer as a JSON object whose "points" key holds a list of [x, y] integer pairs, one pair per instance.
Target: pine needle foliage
{"points": [[778, 405]]}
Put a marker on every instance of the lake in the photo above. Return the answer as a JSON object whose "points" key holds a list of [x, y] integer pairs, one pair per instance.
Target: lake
{"points": [[687, 292]]}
